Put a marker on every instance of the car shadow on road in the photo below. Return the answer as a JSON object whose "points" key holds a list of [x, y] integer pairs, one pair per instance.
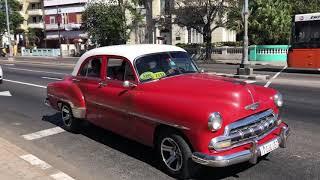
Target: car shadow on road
{"points": [[142, 152]]}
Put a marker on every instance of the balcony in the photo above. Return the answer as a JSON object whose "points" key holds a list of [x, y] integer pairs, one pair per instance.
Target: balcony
{"points": [[67, 27], [38, 25], [35, 12]]}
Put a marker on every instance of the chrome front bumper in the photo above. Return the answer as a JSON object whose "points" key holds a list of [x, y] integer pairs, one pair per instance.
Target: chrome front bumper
{"points": [[239, 157]]}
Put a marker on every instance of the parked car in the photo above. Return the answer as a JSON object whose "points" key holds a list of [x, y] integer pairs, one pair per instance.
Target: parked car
{"points": [[155, 94]]}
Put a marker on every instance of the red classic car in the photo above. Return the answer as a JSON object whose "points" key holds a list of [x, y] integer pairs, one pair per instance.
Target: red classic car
{"points": [[155, 94]]}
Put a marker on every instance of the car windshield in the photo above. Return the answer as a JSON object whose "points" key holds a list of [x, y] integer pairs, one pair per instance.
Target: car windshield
{"points": [[157, 66]]}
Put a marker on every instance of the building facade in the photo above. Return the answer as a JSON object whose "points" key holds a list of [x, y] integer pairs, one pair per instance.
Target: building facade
{"points": [[32, 12], [62, 22], [174, 34]]}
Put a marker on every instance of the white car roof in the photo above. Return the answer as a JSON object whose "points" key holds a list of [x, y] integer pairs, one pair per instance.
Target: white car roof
{"points": [[131, 52]]}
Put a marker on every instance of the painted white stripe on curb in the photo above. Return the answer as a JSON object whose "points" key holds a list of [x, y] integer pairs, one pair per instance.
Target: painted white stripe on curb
{"points": [[5, 93], [33, 160], [250, 81], [24, 83], [47, 72], [275, 76], [43, 133], [61, 176], [51, 78]]}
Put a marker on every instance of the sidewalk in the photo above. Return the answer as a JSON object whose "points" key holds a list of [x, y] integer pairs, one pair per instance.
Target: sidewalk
{"points": [[14, 167], [238, 62]]}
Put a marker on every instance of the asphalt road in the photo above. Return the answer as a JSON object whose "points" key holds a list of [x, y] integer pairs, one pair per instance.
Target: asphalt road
{"points": [[95, 153]]}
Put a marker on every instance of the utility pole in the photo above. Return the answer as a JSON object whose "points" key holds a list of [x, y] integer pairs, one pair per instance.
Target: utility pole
{"points": [[244, 68], [59, 34], [8, 29]]}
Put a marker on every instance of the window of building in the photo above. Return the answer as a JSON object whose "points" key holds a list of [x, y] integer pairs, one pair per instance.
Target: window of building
{"points": [[33, 6], [189, 35], [34, 19], [78, 19], [52, 20]]}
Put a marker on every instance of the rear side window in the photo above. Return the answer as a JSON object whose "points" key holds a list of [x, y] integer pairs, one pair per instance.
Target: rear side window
{"points": [[91, 68]]}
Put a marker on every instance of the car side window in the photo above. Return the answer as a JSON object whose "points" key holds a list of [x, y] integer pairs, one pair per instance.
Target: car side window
{"points": [[92, 68], [119, 69]]}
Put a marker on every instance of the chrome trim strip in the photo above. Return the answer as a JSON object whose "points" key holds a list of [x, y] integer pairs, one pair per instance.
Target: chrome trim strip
{"points": [[252, 98], [155, 120], [242, 156]]}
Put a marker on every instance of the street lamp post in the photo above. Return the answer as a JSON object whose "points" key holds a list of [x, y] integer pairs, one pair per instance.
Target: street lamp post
{"points": [[59, 34], [244, 68], [8, 29]]}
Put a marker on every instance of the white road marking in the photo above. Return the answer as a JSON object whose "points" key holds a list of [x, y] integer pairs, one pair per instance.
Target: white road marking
{"points": [[24, 83], [250, 81], [275, 76], [5, 93], [43, 133], [61, 176], [47, 72], [9, 64], [33, 160], [51, 78]]}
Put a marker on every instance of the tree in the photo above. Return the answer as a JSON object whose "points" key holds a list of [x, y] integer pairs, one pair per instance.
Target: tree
{"points": [[15, 18], [270, 20], [204, 16], [109, 23], [34, 36], [306, 6]]}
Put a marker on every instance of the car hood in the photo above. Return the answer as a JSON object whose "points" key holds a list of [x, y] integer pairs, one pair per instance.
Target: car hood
{"points": [[215, 93]]}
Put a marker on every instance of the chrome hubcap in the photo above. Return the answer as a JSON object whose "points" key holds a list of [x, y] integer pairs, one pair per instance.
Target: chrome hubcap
{"points": [[171, 154], [66, 116]]}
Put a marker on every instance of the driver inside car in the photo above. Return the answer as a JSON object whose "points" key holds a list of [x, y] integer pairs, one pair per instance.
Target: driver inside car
{"points": [[153, 71]]}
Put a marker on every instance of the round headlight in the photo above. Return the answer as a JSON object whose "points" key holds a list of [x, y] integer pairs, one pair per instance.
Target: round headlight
{"points": [[278, 100], [215, 121]]}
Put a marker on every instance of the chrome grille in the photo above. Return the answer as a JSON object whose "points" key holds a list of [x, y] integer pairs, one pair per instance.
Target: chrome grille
{"points": [[266, 122], [253, 127]]}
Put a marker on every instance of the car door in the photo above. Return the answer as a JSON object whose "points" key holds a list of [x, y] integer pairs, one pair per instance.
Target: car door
{"points": [[114, 98], [90, 79]]}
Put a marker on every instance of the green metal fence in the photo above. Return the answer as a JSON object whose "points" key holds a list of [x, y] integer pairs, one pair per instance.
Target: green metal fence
{"points": [[269, 53]]}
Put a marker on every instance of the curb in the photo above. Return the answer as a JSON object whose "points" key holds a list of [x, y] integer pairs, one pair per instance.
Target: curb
{"points": [[260, 63], [37, 63], [252, 77]]}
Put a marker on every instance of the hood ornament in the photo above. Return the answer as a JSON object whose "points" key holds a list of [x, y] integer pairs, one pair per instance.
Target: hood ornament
{"points": [[253, 106]]}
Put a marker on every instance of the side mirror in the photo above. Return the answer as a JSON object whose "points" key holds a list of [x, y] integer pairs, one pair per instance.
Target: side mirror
{"points": [[128, 84], [201, 70]]}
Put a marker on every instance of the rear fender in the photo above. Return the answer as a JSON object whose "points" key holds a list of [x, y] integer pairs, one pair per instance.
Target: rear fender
{"points": [[69, 93]]}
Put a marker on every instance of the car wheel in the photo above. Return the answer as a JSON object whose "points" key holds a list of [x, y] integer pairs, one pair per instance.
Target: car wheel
{"points": [[175, 156], [69, 122]]}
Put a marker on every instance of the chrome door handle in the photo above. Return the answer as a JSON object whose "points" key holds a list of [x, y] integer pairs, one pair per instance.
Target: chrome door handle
{"points": [[102, 84]]}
